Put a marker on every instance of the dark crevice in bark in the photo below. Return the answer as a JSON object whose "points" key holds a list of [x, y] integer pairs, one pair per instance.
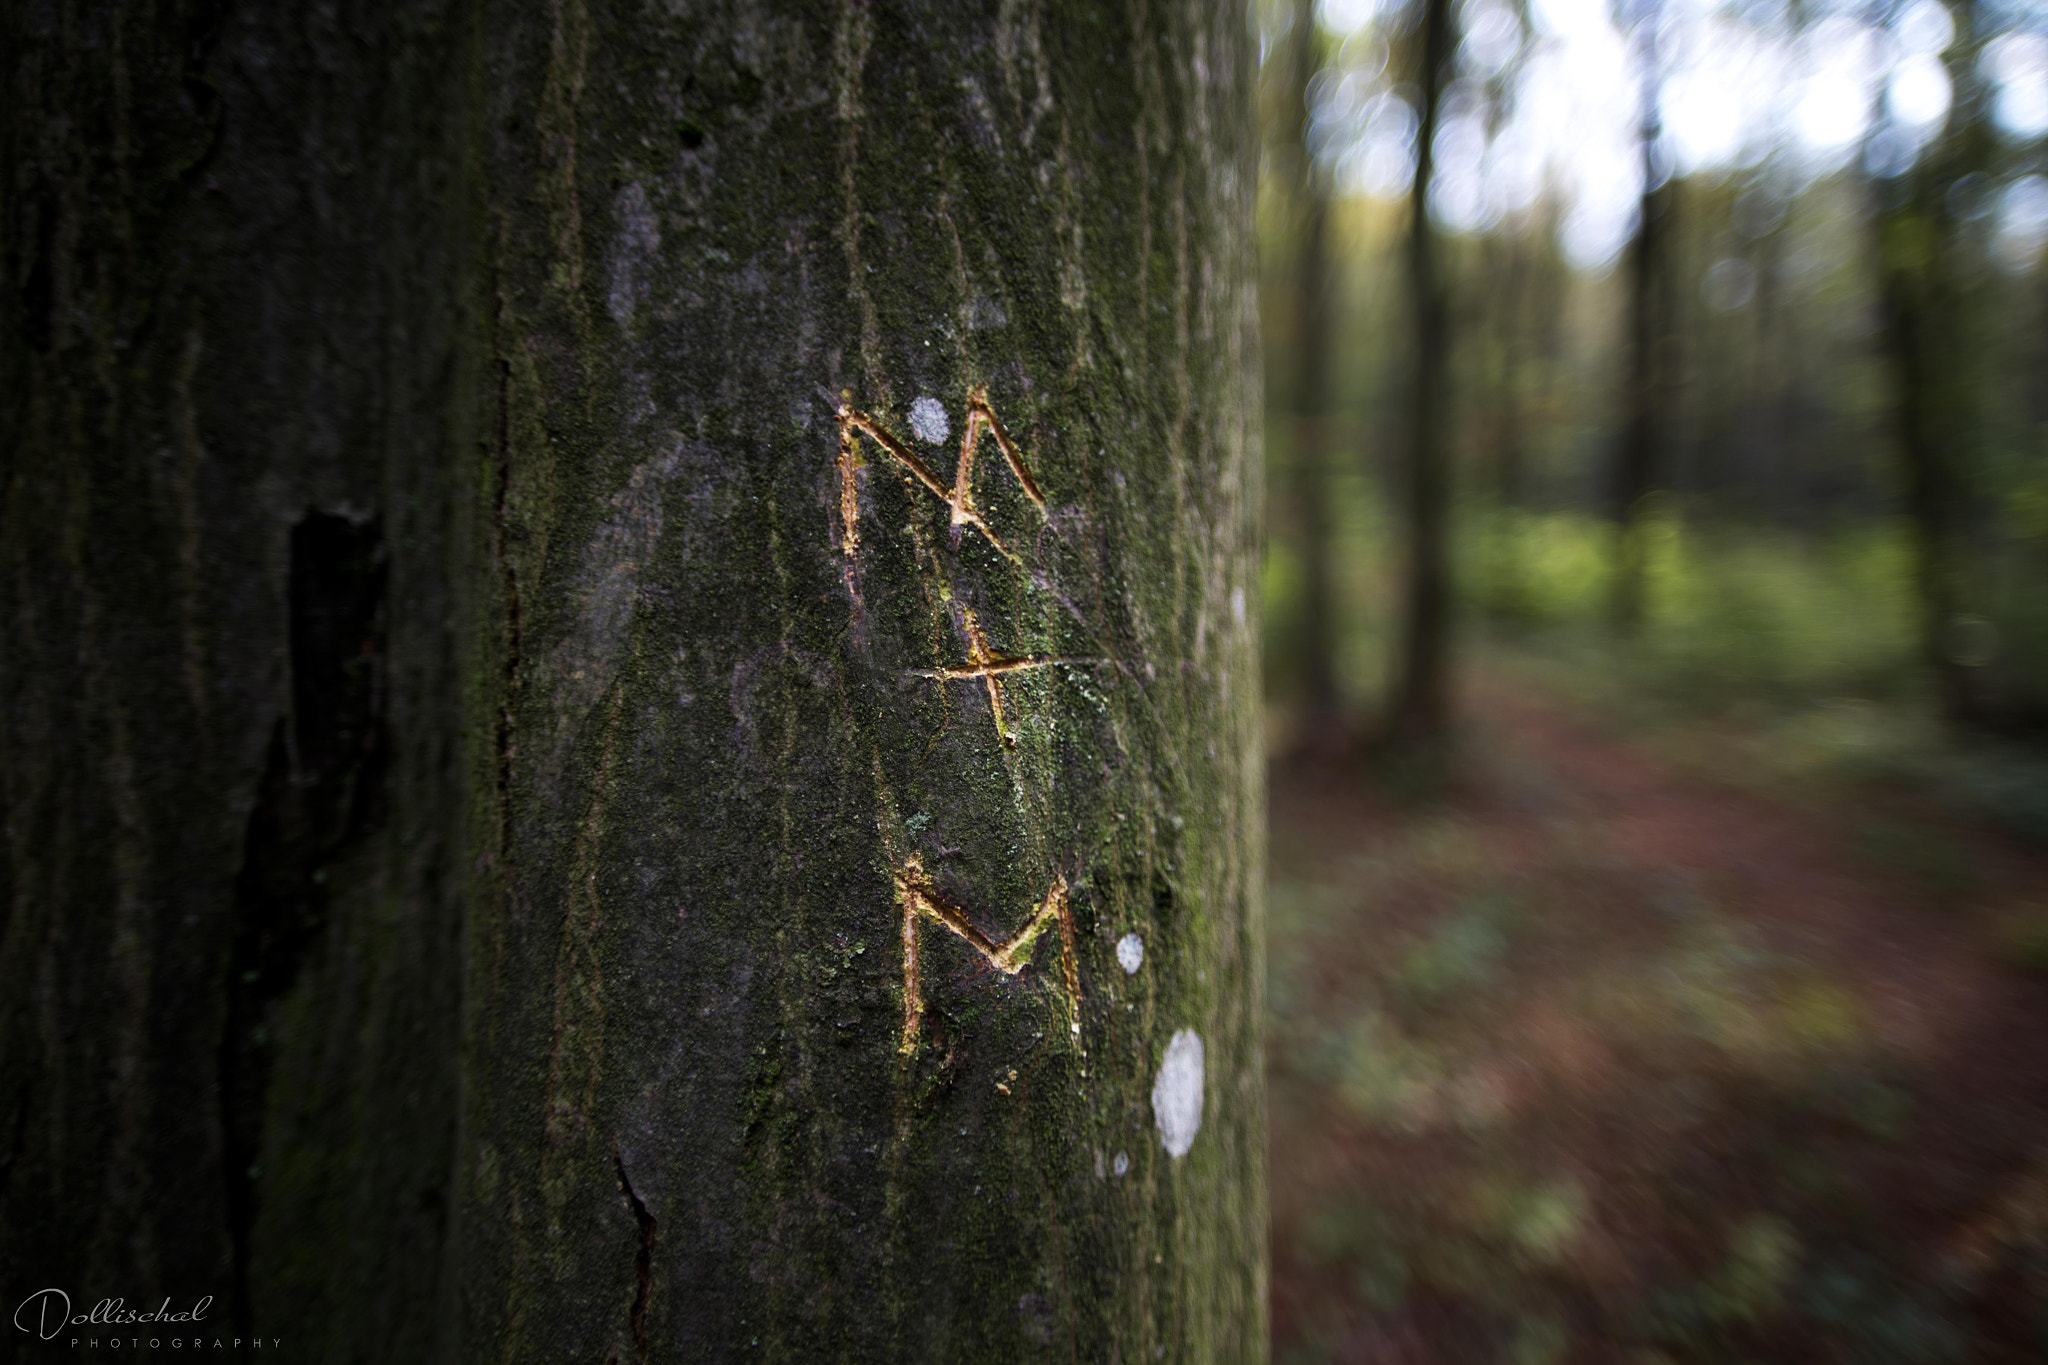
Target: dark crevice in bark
{"points": [[321, 791], [643, 1261], [203, 28]]}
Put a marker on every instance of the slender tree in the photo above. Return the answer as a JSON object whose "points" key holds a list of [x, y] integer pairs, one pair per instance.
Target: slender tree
{"points": [[1635, 472], [1507, 266], [1513, 303], [631, 705], [1774, 370], [1925, 342], [1308, 447], [1418, 717]]}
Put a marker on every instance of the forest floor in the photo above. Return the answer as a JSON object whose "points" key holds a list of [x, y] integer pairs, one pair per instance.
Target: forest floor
{"points": [[1613, 1054]]}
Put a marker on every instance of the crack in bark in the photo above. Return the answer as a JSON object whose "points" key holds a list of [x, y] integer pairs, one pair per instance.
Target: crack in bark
{"points": [[319, 794], [643, 1260]]}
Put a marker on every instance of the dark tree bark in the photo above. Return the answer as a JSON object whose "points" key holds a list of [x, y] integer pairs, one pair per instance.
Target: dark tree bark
{"points": [[1507, 266], [1773, 381], [1322, 701], [1932, 486], [1925, 344], [543, 821], [1635, 470], [1507, 323], [1418, 717]]}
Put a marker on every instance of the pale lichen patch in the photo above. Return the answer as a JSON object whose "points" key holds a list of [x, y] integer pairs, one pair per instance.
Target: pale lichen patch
{"points": [[1130, 953], [1177, 1093], [928, 420]]}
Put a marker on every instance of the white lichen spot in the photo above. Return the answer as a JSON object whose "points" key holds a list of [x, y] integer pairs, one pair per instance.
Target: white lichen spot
{"points": [[1122, 1165], [1177, 1093], [928, 420], [1237, 604], [1130, 953]]}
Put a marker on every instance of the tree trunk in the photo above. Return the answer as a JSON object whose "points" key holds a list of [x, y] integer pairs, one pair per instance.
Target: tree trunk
{"points": [[1925, 343], [1506, 266], [1932, 488], [543, 821], [1635, 461], [1926, 348], [1418, 719], [1322, 701]]}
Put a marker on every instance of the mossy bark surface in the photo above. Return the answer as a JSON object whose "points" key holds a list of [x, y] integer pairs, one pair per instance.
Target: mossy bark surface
{"points": [[235, 420], [523, 796]]}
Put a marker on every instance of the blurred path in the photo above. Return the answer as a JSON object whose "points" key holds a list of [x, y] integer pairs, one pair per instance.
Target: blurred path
{"points": [[1597, 1060]]}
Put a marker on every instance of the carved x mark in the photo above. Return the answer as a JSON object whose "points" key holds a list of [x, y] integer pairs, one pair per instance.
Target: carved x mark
{"points": [[984, 663]]}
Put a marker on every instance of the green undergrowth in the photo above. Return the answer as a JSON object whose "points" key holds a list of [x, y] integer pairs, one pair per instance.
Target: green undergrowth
{"points": [[1557, 1075], [1770, 659]]}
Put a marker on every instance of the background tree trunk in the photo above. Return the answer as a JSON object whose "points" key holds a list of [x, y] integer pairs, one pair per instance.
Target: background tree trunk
{"points": [[1926, 343], [1323, 721], [522, 803], [1635, 461], [1502, 325], [1418, 716]]}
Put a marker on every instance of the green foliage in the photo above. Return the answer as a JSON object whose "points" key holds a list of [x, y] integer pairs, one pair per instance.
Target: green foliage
{"points": [[1734, 612], [1738, 615]]}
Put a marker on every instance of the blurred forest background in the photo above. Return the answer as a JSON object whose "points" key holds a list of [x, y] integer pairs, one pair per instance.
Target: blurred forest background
{"points": [[1657, 621]]}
